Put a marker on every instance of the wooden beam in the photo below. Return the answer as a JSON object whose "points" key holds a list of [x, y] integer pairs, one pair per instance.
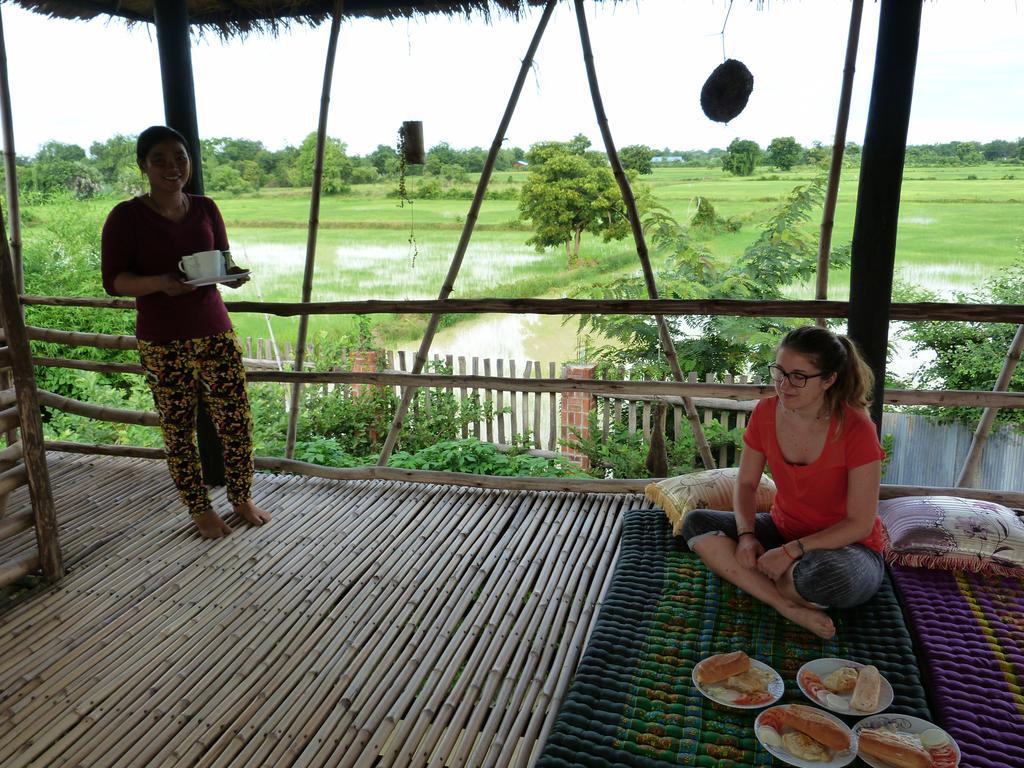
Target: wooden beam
{"points": [[99, 412], [578, 485], [635, 390], [667, 344], [828, 214], [910, 311], [31, 423], [13, 570], [969, 471], [314, 221], [13, 478], [881, 178], [14, 524], [467, 230], [10, 163]]}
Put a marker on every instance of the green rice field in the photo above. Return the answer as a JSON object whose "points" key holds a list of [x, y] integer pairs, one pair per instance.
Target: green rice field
{"points": [[957, 227]]}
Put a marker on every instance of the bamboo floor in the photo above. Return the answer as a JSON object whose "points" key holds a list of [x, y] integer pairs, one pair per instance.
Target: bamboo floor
{"points": [[370, 623]]}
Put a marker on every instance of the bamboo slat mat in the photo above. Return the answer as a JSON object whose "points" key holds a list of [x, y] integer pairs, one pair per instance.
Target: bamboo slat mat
{"points": [[371, 623]]}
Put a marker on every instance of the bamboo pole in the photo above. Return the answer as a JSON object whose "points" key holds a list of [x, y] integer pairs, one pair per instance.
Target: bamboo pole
{"points": [[11, 571], [969, 472], [828, 215], [647, 391], [9, 526], [467, 230], [667, 345], [31, 424], [916, 311], [100, 412], [10, 163], [491, 482], [314, 221]]}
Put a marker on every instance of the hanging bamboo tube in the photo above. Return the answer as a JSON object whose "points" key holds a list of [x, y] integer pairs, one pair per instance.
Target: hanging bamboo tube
{"points": [[314, 222], [31, 423], [638, 233], [968, 475], [467, 231], [828, 216]]}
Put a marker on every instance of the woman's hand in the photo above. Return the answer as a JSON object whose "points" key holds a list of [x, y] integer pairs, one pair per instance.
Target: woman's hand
{"points": [[774, 563], [236, 270], [748, 550], [172, 284]]}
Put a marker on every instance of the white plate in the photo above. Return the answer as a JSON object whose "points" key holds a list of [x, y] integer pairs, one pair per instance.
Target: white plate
{"points": [[904, 724], [838, 760], [218, 279], [719, 693], [837, 702]]}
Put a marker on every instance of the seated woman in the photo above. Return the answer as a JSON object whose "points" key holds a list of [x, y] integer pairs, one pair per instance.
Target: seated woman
{"points": [[820, 546]]}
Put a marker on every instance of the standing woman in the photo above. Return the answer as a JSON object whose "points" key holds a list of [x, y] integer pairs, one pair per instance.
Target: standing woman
{"points": [[184, 334], [820, 547]]}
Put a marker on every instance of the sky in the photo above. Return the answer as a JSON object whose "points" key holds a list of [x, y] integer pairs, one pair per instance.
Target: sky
{"points": [[79, 82]]}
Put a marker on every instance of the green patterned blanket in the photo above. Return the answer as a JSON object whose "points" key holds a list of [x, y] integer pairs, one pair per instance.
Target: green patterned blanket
{"points": [[632, 701]]}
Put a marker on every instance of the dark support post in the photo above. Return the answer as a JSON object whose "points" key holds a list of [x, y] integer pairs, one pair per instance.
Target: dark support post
{"points": [[172, 37], [881, 176]]}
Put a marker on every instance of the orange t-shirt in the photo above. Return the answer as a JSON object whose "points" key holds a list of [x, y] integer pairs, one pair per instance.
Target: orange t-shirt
{"points": [[812, 498]]}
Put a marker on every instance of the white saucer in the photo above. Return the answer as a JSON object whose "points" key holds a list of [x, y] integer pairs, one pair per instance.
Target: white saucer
{"points": [[199, 281], [720, 695], [906, 724], [840, 703]]}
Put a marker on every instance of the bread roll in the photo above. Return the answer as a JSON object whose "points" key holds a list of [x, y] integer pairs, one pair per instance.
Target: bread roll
{"points": [[892, 749], [868, 688], [817, 725], [717, 668]]}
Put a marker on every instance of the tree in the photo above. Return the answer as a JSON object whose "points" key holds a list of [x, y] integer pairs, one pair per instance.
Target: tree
{"points": [[818, 153], [58, 166], [337, 166], [784, 153], [784, 253], [741, 157], [384, 158], [113, 157], [569, 191], [968, 355], [637, 157]]}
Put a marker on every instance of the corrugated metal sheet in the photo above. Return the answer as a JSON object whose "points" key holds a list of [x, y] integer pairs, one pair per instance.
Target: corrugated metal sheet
{"points": [[926, 453]]}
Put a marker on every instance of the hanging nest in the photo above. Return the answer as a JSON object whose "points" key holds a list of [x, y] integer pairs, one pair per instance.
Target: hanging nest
{"points": [[726, 91]]}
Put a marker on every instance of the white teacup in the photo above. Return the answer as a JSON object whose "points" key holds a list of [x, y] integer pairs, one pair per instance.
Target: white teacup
{"points": [[203, 264]]}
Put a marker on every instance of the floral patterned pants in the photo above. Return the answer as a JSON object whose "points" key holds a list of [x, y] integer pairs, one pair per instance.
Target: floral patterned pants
{"points": [[176, 372]]}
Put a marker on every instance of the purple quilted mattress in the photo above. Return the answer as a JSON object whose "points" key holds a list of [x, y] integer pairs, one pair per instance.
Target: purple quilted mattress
{"points": [[970, 631]]}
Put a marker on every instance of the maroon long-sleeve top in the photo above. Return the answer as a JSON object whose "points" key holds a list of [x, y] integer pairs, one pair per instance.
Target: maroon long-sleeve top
{"points": [[137, 239]]}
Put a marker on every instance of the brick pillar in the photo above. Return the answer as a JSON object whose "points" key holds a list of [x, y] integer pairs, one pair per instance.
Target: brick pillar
{"points": [[362, 361], [576, 408]]}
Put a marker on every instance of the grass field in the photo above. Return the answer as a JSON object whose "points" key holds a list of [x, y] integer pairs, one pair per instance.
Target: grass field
{"points": [[957, 227]]}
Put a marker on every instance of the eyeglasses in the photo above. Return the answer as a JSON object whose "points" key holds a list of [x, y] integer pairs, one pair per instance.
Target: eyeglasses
{"points": [[795, 378]]}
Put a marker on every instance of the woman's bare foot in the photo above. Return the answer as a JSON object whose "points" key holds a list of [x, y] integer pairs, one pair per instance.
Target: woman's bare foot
{"points": [[813, 619], [252, 514], [211, 526]]}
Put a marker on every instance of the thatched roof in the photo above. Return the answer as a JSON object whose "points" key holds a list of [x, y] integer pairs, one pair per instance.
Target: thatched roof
{"points": [[230, 17]]}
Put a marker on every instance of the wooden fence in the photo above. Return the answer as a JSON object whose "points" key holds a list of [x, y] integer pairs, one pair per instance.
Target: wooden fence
{"points": [[532, 418]]}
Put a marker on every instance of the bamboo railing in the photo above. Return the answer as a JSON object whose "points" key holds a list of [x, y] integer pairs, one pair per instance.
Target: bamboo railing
{"points": [[910, 311], [673, 391]]}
